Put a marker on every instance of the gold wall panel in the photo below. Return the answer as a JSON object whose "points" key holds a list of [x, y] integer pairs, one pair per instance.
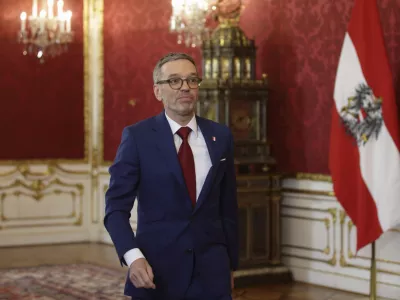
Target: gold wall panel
{"points": [[329, 222], [51, 167], [344, 276], [37, 190], [347, 252], [309, 192], [309, 176]]}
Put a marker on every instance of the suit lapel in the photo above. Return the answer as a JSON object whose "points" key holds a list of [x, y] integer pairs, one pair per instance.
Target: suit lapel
{"points": [[212, 146], [166, 145]]}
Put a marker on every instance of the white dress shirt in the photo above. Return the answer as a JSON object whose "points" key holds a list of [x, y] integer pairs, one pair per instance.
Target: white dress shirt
{"points": [[202, 164]]}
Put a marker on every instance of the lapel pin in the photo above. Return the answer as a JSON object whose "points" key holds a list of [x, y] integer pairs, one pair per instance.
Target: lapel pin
{"points": [[214, 139]]}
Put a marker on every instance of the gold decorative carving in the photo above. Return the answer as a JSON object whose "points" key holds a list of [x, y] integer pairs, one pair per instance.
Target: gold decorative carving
{"points": [[325, 272], [215, 68], [308, 192], [310, 176], [9, 173], [98, 11], [343, 262], [38, 188], [78, 222], [52, 168], [350, 254], [23, 166], [95, 183], [132, 102], [18, 193], [314, 177], [327, 221]]}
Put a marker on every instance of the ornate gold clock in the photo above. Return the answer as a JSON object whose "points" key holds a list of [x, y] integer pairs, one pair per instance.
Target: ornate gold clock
{"points": [[230, 94]]}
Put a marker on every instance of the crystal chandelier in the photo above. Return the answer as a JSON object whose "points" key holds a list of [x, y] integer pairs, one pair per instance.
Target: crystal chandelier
{"points": [[46, 34], [188, 20]]}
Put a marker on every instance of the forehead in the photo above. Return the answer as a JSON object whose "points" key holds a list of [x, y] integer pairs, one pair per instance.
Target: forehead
{"points": [[181, 67]]}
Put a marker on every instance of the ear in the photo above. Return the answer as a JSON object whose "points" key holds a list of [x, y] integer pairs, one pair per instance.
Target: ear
{"points": [[157, 92]]}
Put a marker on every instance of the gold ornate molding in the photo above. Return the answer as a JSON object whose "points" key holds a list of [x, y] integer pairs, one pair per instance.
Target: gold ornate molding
{"points": [[329, 223], [342, 275], [312, 177], [343, 261], [97, 147], [99, 12], [52, 168], [38, 189], [87, 77], [308, 192], [37, 198]]}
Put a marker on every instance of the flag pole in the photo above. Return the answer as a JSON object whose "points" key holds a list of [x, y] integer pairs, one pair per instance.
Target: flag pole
{"points": [[373, 273]]}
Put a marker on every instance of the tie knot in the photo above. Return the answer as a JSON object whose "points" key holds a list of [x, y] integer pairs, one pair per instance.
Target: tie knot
{"points": [[183, 132]]}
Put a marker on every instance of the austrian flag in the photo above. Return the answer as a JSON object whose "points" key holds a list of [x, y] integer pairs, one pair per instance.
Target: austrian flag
{"points": [[364, 151]]}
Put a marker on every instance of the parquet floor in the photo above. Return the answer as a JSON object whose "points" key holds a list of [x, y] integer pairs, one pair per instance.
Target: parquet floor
{"points": [[105, 255]]}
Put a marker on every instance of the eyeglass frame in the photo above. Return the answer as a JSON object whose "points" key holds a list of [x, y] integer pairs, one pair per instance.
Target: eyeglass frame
{"points": [[182, 80]]}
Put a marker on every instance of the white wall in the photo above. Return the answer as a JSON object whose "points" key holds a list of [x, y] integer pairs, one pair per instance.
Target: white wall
{"points": [[46, 204], [319, 243]]}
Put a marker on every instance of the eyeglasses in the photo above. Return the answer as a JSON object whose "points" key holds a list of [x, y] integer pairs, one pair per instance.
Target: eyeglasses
{"points": [[176, 83]]}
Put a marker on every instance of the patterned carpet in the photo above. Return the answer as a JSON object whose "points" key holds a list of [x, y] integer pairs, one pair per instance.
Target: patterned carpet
{"points": [[65, 282], [62, 282]]}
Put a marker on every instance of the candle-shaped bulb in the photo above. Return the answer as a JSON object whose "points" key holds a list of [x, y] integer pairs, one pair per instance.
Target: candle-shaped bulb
{"points": [[60, 6], [68, 16], [34, 9], [50, 4], [23, 21], [42, 19]]}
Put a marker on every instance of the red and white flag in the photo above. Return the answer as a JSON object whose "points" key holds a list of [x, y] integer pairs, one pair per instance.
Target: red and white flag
{"points": [[364, 155]]}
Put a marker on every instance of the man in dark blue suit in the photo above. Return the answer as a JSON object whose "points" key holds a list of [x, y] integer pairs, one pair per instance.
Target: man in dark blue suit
{"points": [[180, 167]]}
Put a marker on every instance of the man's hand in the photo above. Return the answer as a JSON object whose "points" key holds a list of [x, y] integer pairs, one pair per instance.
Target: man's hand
{"points": [[141, 274]]}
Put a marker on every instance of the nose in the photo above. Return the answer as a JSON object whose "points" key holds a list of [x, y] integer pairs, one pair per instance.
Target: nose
{"points": [[185, 86]]}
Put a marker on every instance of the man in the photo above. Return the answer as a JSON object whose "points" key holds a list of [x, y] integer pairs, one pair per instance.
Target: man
{"points": [[181, 169]]}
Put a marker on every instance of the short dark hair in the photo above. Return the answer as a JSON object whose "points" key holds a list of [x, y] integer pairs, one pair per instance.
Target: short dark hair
{"points": [[167, 58]]}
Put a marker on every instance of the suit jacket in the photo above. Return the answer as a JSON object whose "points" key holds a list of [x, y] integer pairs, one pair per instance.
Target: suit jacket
{"points": [[172, 234]]}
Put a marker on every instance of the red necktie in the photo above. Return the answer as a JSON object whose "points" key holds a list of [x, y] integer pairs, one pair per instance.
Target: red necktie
{"points": [[186, 160]]}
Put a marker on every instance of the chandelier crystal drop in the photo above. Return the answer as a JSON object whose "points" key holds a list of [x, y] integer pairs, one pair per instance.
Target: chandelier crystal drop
{"points": [[46, 33], [188, 20]]}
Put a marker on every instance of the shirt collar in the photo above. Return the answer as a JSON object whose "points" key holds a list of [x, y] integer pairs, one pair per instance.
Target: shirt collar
{"points": [[175, 126]]}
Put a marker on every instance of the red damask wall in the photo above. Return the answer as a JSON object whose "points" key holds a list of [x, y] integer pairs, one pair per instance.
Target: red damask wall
{"points": [[298, 42], [42, 106], [135, 36]]}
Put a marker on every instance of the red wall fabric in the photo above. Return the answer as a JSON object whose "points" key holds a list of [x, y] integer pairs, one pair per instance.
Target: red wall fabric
{"points": [[136, 35], [42, 106], [298, 42]]}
